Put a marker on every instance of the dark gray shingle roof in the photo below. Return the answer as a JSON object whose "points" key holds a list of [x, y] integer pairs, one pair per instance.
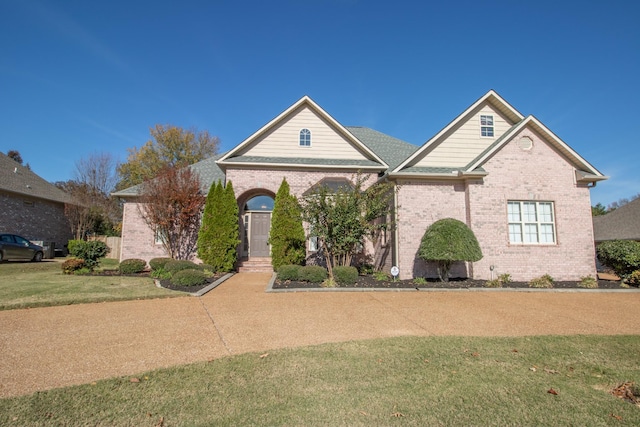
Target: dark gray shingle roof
{"points": [[18, 179], [392, 150], [621, 224], [207, 170]]}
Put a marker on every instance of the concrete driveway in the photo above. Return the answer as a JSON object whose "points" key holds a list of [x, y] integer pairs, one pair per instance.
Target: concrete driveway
{"points": [[53, 347]]}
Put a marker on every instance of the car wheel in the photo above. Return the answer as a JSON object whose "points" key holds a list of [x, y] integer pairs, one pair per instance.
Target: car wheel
{"points": [[37, 257], [1, 256]]}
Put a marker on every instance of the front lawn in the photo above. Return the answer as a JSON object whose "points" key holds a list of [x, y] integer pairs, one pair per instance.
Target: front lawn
{"points": [[432, 381], [32, 284]]}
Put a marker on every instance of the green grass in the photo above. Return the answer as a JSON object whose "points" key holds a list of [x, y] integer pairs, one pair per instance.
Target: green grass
{"points": [[399, 381], [32, 284]]}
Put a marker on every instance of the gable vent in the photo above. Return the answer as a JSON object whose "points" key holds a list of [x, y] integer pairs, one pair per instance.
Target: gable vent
{"points": [[525, 143]]}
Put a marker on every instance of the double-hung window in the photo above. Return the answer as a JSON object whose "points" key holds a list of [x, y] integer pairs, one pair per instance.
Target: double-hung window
{"points": [[531, 222], [486, 125]]}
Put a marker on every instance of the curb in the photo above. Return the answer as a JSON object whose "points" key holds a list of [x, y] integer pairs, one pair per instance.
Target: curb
{"points": [[203, 290], [552, 290]]}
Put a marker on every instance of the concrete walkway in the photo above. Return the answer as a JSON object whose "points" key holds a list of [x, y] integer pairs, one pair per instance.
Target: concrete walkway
{"points": [[60, 346]]}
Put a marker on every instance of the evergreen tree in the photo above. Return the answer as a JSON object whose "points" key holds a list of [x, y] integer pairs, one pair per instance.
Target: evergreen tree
{"points": [[229, 233], [287, 235], [208, 233]]}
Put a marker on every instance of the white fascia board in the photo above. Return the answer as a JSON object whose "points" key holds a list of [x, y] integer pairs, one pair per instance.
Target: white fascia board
{"points": [[263, 129], [506, 138], [491, 94], [554, 139]]}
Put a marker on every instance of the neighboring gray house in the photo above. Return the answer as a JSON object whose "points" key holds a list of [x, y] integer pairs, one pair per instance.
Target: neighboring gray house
{"points": [[30, 206], [621, 224]]}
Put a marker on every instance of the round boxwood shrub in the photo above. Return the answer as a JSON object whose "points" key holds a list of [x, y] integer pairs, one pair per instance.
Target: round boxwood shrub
{"points": [[189, 277], [159, 263], [132, 266], [175, 265], [289, 272], [313, 274], [447, 241], [345, 275]]}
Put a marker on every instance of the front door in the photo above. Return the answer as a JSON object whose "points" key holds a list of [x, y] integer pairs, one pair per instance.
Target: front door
{"points": [[260, 225]]}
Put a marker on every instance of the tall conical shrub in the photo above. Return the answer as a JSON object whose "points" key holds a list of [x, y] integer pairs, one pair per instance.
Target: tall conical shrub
{"points": [[208, 233], [230, 230], [287, 235]]}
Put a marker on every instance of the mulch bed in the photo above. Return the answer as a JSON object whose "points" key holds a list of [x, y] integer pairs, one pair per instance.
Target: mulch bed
{"points": [[371, 282], [165, 283]]}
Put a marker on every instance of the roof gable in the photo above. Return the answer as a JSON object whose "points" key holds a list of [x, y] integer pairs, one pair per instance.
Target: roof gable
{"points": [[277, 142], [585, 172], [19, 179], [451, 146]]}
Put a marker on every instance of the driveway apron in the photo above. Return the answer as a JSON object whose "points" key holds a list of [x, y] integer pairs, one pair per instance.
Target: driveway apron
{"points": [[53, 347]]}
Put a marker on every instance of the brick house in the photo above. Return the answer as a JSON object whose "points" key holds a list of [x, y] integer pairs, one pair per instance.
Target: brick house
{"points": [[30, 206], [521, 189]]}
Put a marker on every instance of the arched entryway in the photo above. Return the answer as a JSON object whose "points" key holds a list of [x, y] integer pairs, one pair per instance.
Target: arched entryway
{"points": [[255, 215]]}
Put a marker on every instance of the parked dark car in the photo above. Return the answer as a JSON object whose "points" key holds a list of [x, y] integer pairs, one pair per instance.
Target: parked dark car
{"points": [[16, 247]]}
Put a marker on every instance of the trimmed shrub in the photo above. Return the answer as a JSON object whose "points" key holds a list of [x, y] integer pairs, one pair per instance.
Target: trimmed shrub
{"points": [[90, 252], [189, 277], [447, 241], [313, 274], [495, 283], [381, 276], [160, 273], [623, 256], [634, 278], [588, 282], [419, 281], [545, 281], [289, 272], [505, 278], [345, 275], [219, 232], [71, 265], [173, 266], [286, 237], [132, 266], [159, 263]]}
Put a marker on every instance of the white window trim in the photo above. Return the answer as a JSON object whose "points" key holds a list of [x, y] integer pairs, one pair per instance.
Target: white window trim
{"points": [[491, 127], [537, 222], [300, 138], [158, 238]]}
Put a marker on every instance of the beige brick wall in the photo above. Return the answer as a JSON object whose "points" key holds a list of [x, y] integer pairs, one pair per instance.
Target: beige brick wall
{"points": [[539, 174], [138, 240]]}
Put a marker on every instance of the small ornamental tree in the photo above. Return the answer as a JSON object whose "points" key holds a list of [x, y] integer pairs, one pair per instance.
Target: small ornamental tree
{"points": [[218, 237], [447, 241], [286, 238], [209, 227], [343, 218], [171, 205]]}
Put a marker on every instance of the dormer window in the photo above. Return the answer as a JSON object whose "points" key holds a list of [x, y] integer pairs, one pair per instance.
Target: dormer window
{"points": [[305, 138], [486, 126]]}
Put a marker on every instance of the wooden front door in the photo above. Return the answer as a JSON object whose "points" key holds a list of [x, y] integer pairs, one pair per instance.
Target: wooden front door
{"points": [[260, 225]]}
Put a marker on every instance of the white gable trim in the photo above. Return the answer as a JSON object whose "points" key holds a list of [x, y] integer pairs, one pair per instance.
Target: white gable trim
{"points": [[491, 96], [578, 161], [326, 116]]}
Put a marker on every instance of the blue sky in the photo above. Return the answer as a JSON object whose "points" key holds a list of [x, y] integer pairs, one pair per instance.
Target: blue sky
{"points": [[82, 77]]}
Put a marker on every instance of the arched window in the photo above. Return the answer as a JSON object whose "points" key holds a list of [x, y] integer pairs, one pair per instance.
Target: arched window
{"points": [[259, 203], [305, 138]]}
